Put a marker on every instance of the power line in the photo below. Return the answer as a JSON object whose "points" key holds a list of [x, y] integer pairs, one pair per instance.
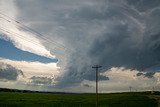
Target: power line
{"points": [[19, 24], [22, 37], [19, 36]]}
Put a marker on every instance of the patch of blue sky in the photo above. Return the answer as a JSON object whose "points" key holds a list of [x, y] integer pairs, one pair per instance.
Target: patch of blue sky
{"points": [[9, 51]]}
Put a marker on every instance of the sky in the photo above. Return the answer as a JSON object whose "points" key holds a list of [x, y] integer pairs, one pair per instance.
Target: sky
{"points": [[51, 45]]}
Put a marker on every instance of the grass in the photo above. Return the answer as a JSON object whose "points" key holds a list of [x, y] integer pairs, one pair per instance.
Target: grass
{"points": [[17, 99]]}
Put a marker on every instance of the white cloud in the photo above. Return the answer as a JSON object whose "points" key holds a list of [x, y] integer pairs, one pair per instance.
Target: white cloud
{"points": [[120, 79], [31, 69], [12, 31], [37, 76]]}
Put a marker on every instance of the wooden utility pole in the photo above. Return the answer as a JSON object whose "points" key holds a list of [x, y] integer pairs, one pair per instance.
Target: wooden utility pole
{"points": [[96, 67], [130, 88]]}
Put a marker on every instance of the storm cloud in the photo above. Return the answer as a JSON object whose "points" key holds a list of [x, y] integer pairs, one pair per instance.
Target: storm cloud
{"points": [[9, 73], [119, 34], [111, 33]]}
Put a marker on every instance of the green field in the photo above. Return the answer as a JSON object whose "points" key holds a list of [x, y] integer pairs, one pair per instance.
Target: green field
{"points": [[17, 99]]}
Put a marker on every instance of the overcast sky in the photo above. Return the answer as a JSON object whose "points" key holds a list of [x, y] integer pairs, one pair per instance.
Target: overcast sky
{"points": [[51, 45]]}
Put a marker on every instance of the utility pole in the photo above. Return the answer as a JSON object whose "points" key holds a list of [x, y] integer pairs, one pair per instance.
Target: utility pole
{"points": [[130, 88], [153, 88], [96, 67]]}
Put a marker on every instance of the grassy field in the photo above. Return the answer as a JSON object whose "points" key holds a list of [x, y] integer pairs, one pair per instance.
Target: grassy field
{"points": [[17, 99]]}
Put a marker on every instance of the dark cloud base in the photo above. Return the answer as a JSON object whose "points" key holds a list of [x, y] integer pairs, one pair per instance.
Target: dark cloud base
{"points": [[112, 33], [36, 80], [127, 44], [9, 73]]}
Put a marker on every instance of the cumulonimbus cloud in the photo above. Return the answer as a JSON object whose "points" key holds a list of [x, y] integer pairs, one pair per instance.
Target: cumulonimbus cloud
{"points": [[115, 34]]}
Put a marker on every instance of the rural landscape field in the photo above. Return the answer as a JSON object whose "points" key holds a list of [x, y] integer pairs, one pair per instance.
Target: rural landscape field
{"points": [[127, 99]]}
